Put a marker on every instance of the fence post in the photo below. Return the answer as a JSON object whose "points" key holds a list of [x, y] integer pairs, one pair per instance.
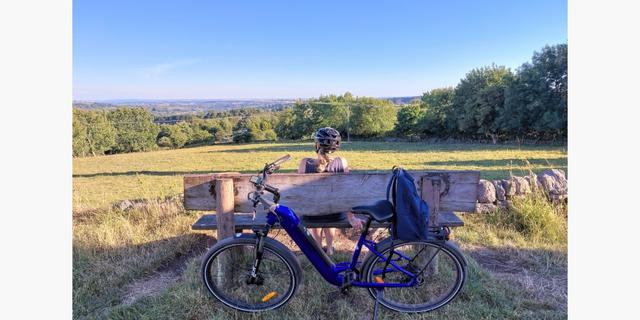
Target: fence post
{"points": [[224, 208]]}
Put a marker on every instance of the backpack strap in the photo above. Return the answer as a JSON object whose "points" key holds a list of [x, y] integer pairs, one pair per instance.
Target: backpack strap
{"points": [[391, 194], [309, 165], [391, 188]]}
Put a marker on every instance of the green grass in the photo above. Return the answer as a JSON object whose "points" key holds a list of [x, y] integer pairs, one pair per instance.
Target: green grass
{"points": [[99, 181], [517, 257]]}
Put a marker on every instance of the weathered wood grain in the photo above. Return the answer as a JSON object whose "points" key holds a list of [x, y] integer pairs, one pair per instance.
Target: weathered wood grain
{"points": [[430, 192], [318, 194], [199, 188], [224, 207]]}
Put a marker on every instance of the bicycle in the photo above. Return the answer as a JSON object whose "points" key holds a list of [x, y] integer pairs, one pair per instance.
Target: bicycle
{"points": [[252, 273]]}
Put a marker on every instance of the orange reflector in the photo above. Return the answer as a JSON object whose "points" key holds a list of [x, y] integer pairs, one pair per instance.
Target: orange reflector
{"points": [[378, 279], [269, 296]]}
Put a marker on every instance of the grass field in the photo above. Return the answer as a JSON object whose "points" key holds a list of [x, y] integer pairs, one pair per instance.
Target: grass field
{"points": [[143, 263], [99, 181]]}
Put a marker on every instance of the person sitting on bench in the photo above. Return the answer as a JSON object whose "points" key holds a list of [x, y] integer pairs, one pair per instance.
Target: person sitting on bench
{"points": [[327, 141]]}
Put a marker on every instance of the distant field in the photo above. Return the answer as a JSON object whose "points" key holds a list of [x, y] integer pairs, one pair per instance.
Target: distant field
{"points": [[99, 181]]}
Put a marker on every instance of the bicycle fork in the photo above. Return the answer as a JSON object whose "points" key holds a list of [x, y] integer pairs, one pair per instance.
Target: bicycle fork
{"points": [[254, 277]]}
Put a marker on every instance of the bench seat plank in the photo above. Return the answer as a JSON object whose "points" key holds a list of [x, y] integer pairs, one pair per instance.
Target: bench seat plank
{"points": [[245, 221]]}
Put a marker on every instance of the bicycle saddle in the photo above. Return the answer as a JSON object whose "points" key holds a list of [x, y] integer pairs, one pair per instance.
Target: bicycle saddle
{"points": [[381, 211]]}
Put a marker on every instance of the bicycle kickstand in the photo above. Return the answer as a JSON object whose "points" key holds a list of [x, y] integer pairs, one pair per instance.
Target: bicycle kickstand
{"points": [[375, 304]]}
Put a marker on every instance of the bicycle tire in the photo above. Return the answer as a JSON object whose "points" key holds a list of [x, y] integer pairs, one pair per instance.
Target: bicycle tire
{"points": [[450, 251], [271, 247]]}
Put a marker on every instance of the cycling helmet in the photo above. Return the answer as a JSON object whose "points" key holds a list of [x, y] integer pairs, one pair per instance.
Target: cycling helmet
{"points": [[327, 139]]}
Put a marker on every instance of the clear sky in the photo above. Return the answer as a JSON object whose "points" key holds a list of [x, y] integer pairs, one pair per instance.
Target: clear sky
{"points": [[298, 49]]}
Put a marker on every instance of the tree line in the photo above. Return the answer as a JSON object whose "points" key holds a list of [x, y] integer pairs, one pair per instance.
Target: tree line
{"points": [[497, 103], [490, 102]]}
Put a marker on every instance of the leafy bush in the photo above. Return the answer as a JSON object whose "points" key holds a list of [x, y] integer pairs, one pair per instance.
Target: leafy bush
{"points": [[165, 142]]}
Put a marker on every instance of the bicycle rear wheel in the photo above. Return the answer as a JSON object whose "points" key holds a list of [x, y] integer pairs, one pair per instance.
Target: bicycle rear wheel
{"points": [[226, 270], [440, 269]]}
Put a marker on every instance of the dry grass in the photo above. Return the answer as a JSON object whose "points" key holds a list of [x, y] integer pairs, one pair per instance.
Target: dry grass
{"points": [[144, 263]]}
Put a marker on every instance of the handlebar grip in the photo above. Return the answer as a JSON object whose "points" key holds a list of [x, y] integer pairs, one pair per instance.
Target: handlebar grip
{"points": [[282, 160]]}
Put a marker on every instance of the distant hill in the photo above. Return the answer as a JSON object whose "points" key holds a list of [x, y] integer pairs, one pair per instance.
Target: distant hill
{"points": [[401, 100], [200, 106], [177, 107]]}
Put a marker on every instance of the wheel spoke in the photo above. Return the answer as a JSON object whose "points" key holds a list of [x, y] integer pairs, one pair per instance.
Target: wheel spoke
{"points": [[432, 289], [227, 274]]}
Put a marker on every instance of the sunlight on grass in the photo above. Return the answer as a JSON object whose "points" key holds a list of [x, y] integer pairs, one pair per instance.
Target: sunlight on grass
{"points": [[517, 256], [100, 181]]}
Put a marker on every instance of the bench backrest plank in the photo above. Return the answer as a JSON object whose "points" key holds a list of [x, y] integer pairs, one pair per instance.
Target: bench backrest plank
{"points": [[317, 194]]}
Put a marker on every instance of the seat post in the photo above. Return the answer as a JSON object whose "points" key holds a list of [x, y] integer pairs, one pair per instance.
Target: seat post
{"points": [[361, 240], [365, 228]]}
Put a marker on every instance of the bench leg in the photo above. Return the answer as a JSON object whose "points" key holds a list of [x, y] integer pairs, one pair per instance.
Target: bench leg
{"points": [[224, 208], [226, 229]]}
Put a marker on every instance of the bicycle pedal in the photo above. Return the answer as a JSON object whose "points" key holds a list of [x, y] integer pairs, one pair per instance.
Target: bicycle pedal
{"points": [[346, 281]]}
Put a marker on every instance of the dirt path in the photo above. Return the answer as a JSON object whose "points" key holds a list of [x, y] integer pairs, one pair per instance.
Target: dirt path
{"points": [[167, 275], [541, 280]]}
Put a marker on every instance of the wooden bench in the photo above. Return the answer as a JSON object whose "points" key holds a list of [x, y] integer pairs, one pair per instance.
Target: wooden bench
{"points": [[446, 192]]}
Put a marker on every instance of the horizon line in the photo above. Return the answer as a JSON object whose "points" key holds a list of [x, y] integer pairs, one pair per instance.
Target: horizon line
{"points": [[226, 99]]}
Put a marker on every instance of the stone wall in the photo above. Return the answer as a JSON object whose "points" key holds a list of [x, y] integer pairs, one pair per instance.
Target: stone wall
{"points": [[498, 193]]}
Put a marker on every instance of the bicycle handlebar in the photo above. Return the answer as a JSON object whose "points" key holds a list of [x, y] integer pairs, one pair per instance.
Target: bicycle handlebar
{"points": [[260, 183], [282, 160]]}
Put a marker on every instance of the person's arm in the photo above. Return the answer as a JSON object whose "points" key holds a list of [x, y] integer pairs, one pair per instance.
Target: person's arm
{"points": [[355, 222], [345, 165]]}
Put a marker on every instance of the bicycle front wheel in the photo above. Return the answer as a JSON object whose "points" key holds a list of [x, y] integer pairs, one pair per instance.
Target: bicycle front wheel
{"points": [[439, 268], [226, 271]]}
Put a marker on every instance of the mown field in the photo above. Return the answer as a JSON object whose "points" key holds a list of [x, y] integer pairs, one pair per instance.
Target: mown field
{"points": [[99, 181], [143, 263]]}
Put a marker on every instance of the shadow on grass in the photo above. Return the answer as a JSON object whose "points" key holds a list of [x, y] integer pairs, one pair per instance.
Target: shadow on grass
{"points": [[386, 147], [150, 173], [519, 167], [486, 295], [104, 277], [554, 162]]}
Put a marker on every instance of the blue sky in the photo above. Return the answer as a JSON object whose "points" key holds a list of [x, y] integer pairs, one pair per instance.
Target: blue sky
{"points": [[298, 49]]}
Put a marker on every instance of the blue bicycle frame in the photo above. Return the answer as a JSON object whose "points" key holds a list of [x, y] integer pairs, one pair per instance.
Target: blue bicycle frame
{"points": [[335, 272]]}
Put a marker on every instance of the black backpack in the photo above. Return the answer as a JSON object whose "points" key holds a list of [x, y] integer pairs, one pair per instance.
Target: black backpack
{"points": [[410, 212]]}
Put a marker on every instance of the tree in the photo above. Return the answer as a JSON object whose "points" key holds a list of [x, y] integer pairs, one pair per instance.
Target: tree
{"points": [[439, 118], [135, 130], [80, 145], [408, 118], [372, 117], [198, 135], [92, 132], [221, 129], [327, 111], [284, 127], [177, 134], [536, 101], [479, 98]]}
